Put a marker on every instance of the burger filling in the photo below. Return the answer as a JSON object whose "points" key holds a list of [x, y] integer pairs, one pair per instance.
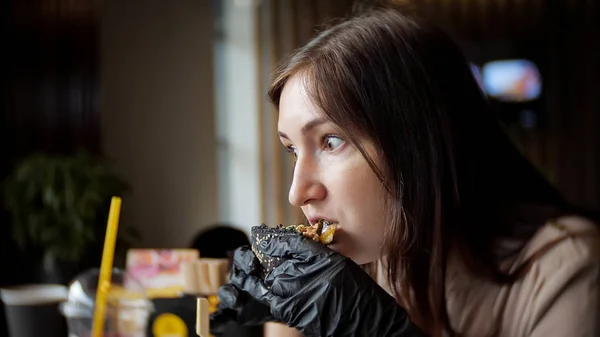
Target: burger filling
{"points": [[322, 231]]}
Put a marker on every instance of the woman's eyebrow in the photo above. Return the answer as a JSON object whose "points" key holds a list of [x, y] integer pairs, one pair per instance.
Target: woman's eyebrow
{"points": [[307, 127]]}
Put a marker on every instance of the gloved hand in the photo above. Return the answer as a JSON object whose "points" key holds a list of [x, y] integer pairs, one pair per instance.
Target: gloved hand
{"points": [[322, 293], [235, 304]]}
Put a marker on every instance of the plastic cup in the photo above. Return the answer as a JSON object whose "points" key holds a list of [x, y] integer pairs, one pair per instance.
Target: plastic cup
{"points": [[127, 310]]}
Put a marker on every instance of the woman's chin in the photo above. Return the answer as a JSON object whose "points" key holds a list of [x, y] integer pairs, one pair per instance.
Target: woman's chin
{"points": [[358, 257], [334, 246], [342, 249], [344, 245]]}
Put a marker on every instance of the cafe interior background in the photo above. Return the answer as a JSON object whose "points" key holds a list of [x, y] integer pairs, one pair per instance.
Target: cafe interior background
{"points": [[172, 95]]}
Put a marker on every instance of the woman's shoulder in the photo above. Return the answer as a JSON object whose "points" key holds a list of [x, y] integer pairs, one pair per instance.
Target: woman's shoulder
{"points": [[560, 280], [565, 241], [559, 270]]}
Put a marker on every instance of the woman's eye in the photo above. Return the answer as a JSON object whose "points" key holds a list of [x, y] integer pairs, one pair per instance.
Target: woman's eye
{"points": [[333, 142], [292, 150]]}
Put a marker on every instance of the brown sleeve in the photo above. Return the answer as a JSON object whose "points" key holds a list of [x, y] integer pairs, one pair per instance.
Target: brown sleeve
{"points": [[568, 302]]}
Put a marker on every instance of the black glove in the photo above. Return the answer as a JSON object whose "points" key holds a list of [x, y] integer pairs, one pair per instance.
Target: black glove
{"points": [[236, 305], [323, 293]]}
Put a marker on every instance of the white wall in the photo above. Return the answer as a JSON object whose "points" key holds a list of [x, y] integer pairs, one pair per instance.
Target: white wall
{"points": [[158, 114], [238, 116]]}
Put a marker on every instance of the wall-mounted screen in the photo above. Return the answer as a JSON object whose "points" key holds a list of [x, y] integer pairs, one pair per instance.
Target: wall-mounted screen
{"points": [[515, 80]]}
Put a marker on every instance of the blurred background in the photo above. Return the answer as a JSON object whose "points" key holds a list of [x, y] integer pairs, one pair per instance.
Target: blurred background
{"points": [[163, 102]]}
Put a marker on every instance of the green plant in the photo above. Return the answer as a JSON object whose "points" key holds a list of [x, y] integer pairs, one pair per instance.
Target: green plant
{"points": [[59, 204]]}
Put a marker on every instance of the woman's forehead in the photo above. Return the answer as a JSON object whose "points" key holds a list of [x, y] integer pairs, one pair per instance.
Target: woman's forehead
{"points": [[295, 106]]}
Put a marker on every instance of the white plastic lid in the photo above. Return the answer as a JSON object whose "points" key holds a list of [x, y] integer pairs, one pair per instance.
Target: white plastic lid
{"points": [[33, 294]]}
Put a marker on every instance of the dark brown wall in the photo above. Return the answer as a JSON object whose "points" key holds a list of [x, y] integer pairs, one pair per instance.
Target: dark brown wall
{"points": [[50, 96], [564, 35]]}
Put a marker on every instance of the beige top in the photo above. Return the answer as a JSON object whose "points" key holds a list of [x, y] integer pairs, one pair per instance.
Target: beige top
{"points": [[558, 295]]}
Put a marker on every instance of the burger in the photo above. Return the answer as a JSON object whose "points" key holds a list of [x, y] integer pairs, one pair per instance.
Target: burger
{"points": [[322, 231]]}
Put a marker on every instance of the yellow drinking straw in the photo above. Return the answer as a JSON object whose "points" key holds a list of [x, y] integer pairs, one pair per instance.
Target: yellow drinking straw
{"points": [[106, 266]]}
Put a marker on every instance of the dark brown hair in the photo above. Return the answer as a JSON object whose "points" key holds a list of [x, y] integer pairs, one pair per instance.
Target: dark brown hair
{"points": [[453, 177]]}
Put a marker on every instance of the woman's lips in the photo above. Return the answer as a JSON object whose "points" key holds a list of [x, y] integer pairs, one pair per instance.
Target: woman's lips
{"points": [[314, 220]]}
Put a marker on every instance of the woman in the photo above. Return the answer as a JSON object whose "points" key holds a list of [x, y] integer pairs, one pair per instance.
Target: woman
{"points": [[393, 141]]}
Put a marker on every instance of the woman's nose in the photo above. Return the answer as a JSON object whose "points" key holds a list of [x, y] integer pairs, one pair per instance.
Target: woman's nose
{"points": [[306, 186]]}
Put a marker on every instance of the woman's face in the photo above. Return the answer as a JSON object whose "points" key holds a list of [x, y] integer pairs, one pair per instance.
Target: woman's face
{"points": [[331, 179]]}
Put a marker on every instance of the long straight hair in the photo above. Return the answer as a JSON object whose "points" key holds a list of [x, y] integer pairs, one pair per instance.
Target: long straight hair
{"points": [[453, 178]]}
